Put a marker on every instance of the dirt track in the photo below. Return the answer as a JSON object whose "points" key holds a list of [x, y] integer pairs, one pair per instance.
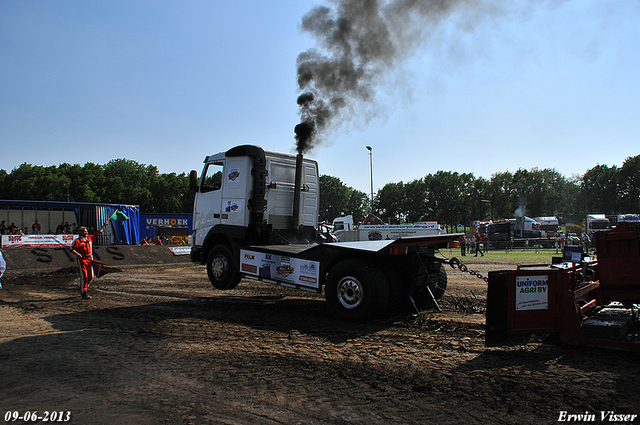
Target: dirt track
{"points": [[157, 345]]}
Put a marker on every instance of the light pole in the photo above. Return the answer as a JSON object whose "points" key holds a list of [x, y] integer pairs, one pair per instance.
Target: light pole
{"points": [[371, 172], [489, 202]]}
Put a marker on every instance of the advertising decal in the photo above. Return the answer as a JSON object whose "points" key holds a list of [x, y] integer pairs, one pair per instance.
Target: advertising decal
{"points": [[280, 268], [532, 292]]}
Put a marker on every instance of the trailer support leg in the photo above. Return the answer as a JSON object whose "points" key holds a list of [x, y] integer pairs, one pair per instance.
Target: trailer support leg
{"points": [[433, 299], [413, 303]]}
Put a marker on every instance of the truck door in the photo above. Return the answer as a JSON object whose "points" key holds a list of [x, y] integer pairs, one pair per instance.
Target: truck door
{"points": [[235, 191], [208, 206]]}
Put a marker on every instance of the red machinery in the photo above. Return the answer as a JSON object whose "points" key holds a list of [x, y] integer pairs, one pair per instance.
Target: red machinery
{"points": [[585, 301]]}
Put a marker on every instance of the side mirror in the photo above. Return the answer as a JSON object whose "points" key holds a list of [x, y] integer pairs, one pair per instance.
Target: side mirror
{"points": [[193, 180]]}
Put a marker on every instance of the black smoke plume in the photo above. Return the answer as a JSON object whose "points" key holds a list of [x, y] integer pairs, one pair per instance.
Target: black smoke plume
{"points": [[358, 42]]}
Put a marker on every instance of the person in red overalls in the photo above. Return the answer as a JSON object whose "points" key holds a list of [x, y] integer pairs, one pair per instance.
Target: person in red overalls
{"points": [[83, 247]]}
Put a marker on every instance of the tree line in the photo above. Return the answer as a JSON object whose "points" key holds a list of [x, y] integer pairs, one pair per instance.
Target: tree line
{"points": [[451, 197], [446, 196], [120, 181]]}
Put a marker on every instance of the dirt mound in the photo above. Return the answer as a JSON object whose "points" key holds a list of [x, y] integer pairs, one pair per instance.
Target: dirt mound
{"points": [[33, 259]]}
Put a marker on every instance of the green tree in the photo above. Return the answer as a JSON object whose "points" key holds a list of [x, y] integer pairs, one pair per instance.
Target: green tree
{"points": [[358, 204], [600, 189], [390, 203], [129, 182], [499, 191], [416, 201], [334, 195], [629, 186], [449, 197], [171, 192]]}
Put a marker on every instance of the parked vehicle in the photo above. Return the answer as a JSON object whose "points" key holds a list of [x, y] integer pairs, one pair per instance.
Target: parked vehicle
{"points": [[624, 218], [516, 232], [597, 222], [549, 226], [345, 230]]}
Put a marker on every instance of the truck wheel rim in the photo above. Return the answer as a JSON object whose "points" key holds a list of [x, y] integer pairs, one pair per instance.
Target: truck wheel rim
{"points": [[350, 292], [219, 267]]}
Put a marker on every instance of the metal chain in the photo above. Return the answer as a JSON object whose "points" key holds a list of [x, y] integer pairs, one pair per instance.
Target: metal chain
{"points": [[455, 262]]}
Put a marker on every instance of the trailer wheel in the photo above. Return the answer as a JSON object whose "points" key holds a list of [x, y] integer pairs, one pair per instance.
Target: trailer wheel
{"points": [[356, 291], [221, 268]]}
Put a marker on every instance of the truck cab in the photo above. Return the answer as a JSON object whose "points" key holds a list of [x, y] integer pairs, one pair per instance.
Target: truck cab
{"points": [[247, 194], [343, 223], [549, 226], [597, 222]]}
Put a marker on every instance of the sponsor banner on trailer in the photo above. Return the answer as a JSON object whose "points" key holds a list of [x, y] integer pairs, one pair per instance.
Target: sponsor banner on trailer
{"points": [[280, 268], [181, 250], [427, 226], [532, 292], [37, 241]]}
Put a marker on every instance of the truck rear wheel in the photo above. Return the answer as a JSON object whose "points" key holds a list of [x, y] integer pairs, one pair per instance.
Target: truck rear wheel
{"points": [[357, 291], [221, 268], [439, 287]]}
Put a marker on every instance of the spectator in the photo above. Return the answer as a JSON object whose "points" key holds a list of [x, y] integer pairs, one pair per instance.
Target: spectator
{"points": [[479, 245], [462, 242], [3, 228], [35, 228], [585, 243], [3, 267], [11, 230]]}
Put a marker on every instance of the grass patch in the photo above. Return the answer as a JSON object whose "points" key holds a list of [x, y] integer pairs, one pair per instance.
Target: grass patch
{"points": [[516, 256]]}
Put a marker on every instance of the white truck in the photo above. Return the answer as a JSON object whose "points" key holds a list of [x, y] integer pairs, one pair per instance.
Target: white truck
{"points": [[549, 226], [597, 222], [256, 216], [345, 231], [625, 218]]}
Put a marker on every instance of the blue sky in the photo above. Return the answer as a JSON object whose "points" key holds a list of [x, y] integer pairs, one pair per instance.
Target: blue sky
{"points": [[489, 88]]}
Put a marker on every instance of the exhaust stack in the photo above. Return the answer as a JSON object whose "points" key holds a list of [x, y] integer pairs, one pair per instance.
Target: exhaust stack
{"points": [[304, 134], [297, 188]]}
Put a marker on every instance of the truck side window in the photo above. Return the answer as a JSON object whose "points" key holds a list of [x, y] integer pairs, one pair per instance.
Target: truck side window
{"points": [[212, 178]]}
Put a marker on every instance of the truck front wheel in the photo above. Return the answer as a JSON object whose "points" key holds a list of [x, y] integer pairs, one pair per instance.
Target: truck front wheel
{"points": [[357, 291], [221, 268]]}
